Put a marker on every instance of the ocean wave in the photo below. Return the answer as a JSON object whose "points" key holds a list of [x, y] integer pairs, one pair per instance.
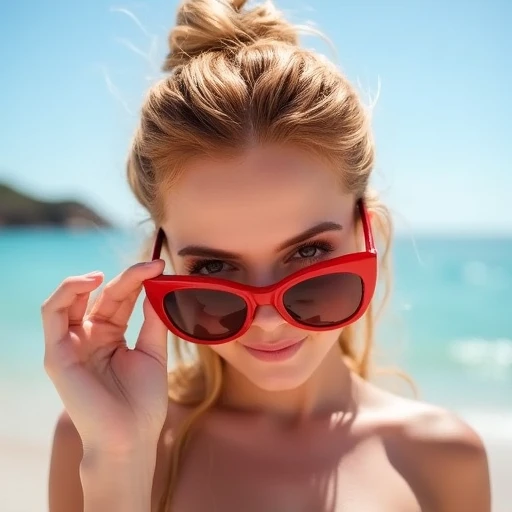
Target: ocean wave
{"points": [[476, 273], [494, 357], [479, 274]]}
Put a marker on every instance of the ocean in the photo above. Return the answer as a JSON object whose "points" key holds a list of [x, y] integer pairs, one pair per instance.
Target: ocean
{"points": [[448, 325]]}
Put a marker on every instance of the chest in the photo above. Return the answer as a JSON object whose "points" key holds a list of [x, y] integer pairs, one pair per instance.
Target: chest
{"points": [[290, 477]]}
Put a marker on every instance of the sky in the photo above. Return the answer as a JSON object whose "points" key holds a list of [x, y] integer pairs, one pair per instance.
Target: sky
{"points": [[74, 75]]}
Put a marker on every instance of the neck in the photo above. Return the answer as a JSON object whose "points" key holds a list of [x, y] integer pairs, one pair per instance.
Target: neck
{"points": [[328, 390]]}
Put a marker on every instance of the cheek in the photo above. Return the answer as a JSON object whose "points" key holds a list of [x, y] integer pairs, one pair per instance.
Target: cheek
{"points": [[226, 350], [324, 340]]}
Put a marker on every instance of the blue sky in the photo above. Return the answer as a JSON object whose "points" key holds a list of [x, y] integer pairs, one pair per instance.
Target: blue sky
{"points": [[74, 75]]}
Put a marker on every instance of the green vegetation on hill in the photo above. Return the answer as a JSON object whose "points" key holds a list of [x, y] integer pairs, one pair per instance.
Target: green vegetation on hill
{"points": [[19, 209]]}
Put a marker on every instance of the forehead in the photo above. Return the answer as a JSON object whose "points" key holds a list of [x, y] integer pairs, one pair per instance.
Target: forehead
{"points": [[254, 201]]}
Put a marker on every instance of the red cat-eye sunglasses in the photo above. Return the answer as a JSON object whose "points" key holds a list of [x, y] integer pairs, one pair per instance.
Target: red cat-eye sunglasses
{"points": [[323, 296]]}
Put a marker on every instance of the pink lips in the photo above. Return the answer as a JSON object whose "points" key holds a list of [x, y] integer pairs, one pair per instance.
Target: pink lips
{"points": [[278, 352]]}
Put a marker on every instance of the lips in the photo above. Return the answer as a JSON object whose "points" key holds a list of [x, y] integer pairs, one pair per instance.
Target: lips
{"points": [[279, 351], [274, 347]]}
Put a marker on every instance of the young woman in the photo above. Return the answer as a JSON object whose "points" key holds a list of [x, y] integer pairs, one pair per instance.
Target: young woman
{"points": [[253, 159]]}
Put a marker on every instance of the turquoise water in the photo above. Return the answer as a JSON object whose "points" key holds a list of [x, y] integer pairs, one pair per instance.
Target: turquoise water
{"points": [[449, 324]]}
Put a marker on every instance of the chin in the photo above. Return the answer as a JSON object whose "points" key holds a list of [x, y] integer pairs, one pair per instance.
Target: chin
{"points": [[279, 379], [276, 376]]}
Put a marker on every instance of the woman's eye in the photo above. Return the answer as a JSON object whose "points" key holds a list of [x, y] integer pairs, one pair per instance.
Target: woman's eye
{"points": [[308, 251], [211, 267], [206, 267], [312, 251]]}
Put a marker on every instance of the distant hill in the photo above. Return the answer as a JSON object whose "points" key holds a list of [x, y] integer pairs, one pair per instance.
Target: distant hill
{"points": [[19, 209]]}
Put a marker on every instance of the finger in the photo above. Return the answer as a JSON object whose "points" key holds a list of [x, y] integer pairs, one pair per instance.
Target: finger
{"points": [[152, 338], [77, 310], [55, 310], [121, 317], [121, 288]]}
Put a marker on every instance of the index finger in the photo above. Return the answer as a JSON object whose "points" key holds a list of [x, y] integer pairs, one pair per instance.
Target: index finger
{"points": [[55, 309], [122, 290]]}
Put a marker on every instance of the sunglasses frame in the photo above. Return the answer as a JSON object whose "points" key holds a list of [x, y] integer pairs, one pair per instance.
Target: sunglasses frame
{"points": [[363, 263]]}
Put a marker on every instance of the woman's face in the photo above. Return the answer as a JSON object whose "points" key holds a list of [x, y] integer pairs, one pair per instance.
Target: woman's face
{"points": [[242, 213]]}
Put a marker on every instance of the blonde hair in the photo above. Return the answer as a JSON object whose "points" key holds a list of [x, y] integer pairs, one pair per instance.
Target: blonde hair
{"points": [[237, 77]]}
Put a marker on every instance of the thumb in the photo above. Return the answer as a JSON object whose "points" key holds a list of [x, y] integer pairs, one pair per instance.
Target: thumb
{"points": [[152, 338]]}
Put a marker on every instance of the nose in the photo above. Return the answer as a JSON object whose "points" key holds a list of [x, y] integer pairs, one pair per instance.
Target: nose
{"points": [[267, 318]]}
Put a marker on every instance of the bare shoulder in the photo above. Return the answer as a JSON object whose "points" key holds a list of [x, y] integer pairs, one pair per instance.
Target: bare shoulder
{"points": [[65, 489], [440, 455]]}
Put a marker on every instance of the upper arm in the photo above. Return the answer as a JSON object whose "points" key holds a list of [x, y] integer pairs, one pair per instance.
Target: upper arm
{"points": [[446, 463], [460, 473], [65, 488]]}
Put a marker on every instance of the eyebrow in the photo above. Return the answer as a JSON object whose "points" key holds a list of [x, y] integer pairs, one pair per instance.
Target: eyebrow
{"points": [[201, 251]]}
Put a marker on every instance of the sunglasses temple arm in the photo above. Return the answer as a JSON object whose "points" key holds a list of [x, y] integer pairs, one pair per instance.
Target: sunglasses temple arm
{"points": [[157, 248], [365, 219]]}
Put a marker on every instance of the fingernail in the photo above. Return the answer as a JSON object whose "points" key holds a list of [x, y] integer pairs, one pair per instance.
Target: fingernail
{"points": [[153, 262], [94, 274]]}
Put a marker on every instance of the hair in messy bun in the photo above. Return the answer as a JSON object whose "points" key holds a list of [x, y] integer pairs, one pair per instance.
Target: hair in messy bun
{"points": [[237, 77], [223, 25]]}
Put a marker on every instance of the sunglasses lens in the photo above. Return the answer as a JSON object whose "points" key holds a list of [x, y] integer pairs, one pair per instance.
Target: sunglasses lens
{"points": [[207, 315], [325, 300]]}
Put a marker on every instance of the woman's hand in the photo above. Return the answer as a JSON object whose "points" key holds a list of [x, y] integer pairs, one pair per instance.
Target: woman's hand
{"points": [[116, 397]]}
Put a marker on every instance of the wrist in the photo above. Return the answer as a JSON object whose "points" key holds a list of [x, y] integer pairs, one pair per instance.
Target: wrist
{"points": [[117, 452], [116, 480]]}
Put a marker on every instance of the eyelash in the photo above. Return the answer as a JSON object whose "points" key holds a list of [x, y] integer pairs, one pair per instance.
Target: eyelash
{"points": [[325, 247]]}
